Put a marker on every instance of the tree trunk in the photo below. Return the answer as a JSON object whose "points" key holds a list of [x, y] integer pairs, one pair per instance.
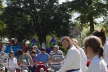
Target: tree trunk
{"points": [[42, 37], [91, 25]]}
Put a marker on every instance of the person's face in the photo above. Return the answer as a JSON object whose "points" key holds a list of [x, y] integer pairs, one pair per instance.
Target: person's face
{"points": [[33, 54], [11, 54], [55, 49], [89, 52], [65, 44]]}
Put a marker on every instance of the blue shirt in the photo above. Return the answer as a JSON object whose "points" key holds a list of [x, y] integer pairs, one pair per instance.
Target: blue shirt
{"points": [[42, 57], [15, 48]]}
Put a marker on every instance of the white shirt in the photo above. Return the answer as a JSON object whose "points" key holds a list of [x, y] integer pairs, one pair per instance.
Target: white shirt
{"points": [[83, 60], [72, 60], [97, 65], [106, 52], [12, 64]]}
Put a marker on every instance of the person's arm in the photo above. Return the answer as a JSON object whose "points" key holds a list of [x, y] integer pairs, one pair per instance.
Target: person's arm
{"points": [[50, 59], [16, 64], [106, 52], [30, 58], [19, 61]]}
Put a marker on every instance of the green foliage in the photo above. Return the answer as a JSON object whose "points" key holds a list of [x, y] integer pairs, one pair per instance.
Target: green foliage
{"points": [[89, 9], [25, 18], [2, 26]]}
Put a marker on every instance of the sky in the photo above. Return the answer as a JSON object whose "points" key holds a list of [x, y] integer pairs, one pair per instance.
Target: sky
{"points": [[61, 1], [4, 3]]}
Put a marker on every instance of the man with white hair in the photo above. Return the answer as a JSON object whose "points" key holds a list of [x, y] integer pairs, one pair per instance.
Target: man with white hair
{"points": [[56, 57]]}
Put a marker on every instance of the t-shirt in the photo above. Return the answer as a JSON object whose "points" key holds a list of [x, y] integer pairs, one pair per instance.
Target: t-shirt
{"points": [[42, 57], [25, 59]]}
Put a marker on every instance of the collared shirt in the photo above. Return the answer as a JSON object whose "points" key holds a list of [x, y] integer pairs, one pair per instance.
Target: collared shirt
{"points": [[97, 65], [72, 60], [106, 52]]}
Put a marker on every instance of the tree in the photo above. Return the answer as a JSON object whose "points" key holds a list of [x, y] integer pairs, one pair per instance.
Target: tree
{"points": [[17, 23], [41, 17], [89, 10]]}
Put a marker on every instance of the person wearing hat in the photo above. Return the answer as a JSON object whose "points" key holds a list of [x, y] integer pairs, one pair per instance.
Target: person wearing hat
{"points": [[72, 60], [36, 49], [56, 58]]}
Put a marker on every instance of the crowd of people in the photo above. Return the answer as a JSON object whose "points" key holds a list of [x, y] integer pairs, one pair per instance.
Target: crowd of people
{"points": [[92, 57]]}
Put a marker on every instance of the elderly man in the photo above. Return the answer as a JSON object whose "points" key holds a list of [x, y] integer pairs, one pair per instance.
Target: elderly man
{"points": [[56, 58]]}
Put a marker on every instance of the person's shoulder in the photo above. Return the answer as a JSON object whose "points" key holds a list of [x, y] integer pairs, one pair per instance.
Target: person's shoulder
{"points": [[60, 51], [15, 58], [74, 49], [99, 61], [51, 52], [74, 52], [81, 49], [45, 54], [102, 62]]}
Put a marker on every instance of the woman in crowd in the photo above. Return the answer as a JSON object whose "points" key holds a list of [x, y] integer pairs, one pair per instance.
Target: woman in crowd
{"points": [[25, 60], [102, 35], [71, 62], [83, 55], [94, 52]]}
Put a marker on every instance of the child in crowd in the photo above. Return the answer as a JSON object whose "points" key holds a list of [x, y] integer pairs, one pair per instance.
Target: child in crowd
{"points": [[94, 50]]}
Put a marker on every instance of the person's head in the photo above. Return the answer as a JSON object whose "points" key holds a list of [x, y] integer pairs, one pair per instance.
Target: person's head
{"points": [[34, 47], [11, 54], [75, 42], [93, 46], [20, 52], [25, 51], [43, 50], [33, 53], [55, 48], [2, 53], [67, 42], [101, 34]]}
